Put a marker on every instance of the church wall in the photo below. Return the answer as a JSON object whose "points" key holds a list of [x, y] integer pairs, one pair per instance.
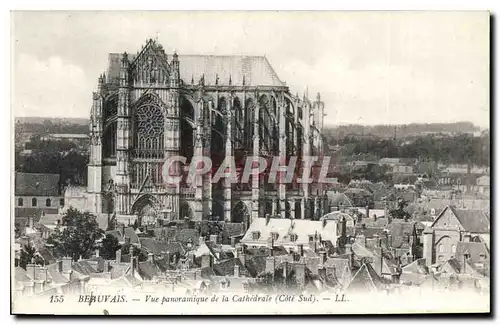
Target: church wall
{"points": [[108, 173], [447, 221]]}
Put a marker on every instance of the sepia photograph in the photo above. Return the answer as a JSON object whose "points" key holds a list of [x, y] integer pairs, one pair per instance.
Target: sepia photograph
{"points": [[250, 162]]}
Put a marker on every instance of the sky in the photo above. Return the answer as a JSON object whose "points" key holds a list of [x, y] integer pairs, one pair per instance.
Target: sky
{"points": [[370, 67]]}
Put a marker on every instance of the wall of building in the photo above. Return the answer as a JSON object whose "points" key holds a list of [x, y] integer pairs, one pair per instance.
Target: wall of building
{"points": [[41, 202]]}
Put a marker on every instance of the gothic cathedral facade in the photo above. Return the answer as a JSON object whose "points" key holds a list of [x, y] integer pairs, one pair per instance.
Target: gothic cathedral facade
{"points": [[150, 106]]}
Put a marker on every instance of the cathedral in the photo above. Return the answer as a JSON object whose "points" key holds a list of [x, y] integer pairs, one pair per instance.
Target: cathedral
{"points": [[150, 106]]}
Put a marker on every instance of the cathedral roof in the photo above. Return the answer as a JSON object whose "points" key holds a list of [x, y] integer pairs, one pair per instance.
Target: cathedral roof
{"points": [[255, 70]]}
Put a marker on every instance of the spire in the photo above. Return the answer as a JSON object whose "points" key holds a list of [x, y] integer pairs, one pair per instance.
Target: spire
{"points": [[230, 81], [176, 57], [192, 79], [318, 97], [216, 78], [243, 80]]}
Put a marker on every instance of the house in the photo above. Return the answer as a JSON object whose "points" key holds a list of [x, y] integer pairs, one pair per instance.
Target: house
{"points": [[36, 193], [290, 232], [57, 278], [390, 162], [449, 228], [402, 169], [483, 184]]}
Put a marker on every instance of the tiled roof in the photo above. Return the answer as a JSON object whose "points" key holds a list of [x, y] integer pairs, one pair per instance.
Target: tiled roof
{"points": [[115, 233], [417, 267], [474, 221], [256, 265], [46, 255], [55, 275], [50, 219], [148, 270], [227, 267], [399, 229], [303, 228], [130, 233], [475, 251], [365, 279], [233, 229], [256, 70], [21, 275], [32, 184], [83, 267], [100, 263], [157, 247], [184, 235]]}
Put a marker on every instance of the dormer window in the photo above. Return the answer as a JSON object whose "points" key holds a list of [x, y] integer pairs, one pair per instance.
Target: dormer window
{"points": [[255, 235], [293, 237], [274, 236], [311, 238]]}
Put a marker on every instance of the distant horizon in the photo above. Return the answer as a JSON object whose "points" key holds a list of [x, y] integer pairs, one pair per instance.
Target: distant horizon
{"points": [[326, 124]]}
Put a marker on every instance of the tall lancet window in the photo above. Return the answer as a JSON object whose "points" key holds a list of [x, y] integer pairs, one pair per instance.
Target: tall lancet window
{"points": [[149, 131]]}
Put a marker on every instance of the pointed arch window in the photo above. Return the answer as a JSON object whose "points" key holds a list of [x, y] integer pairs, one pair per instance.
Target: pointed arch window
{"points": [[149, 124]]}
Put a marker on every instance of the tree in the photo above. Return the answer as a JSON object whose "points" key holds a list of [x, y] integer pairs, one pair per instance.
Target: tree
{"points": [[109, 247], [27, 255], [400, 212], [81, 231]]}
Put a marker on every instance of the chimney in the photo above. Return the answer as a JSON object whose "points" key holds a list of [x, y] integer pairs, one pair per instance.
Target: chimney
{"points": [[66, 267], [236, 270], [242, 255], [322, 255], [30, 269], [96, 252], [428, 246], [367, 211], [39, 286], [214, 239], [118, 256], [300, 274], [322, 272], [301, 249], [134, 261], [127, 240], [30, 221], [206, 261], [123, 229], [270, 243], [233, 241], [168, 258], [201, 240], [389, 240], [270, 265], [41, 273], [106, 266], [151, 257]]}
